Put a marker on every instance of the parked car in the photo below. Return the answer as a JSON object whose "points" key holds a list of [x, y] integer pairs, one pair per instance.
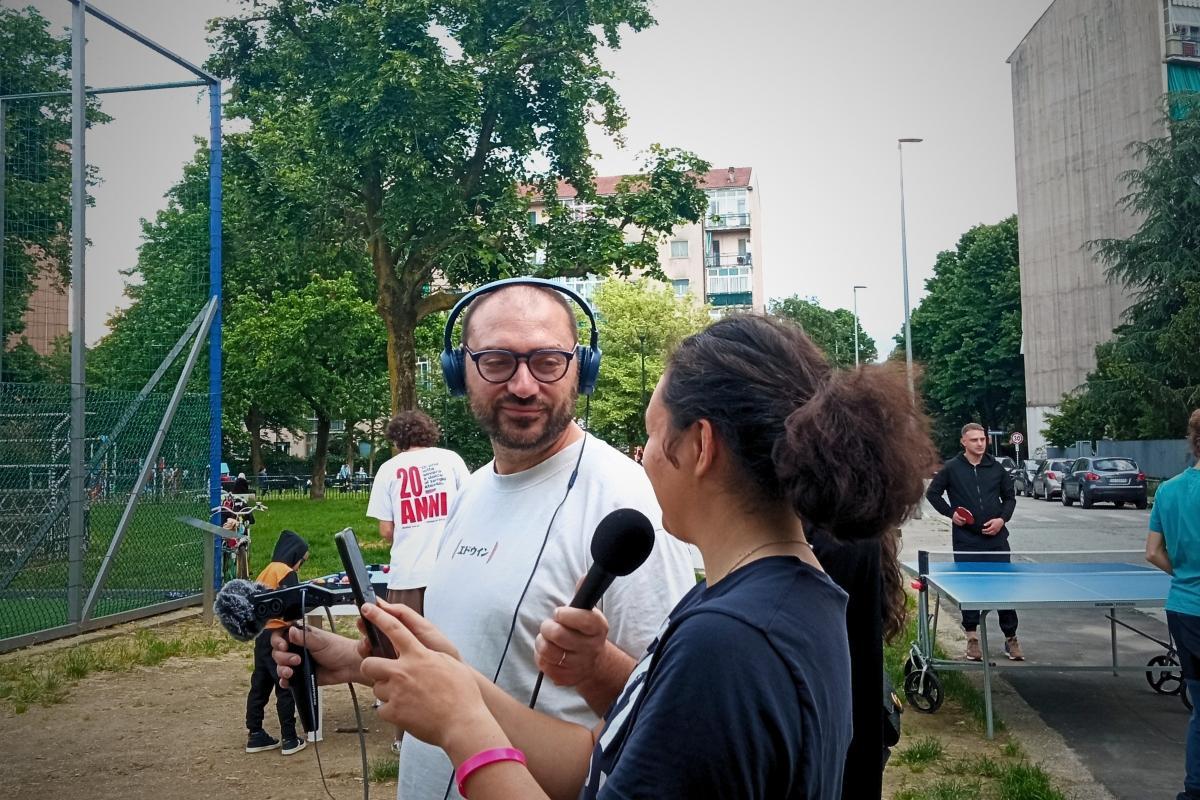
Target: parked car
{"points": [[1023, 478], [1106, 478], [1047, 481]]}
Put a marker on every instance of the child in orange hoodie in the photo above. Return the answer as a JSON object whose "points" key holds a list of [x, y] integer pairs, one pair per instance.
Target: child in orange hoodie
{"points": [[290, 552]]}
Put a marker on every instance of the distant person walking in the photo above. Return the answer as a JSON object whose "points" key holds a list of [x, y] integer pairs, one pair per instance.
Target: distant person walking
{"points": [[979, 485], [1173, 545]]}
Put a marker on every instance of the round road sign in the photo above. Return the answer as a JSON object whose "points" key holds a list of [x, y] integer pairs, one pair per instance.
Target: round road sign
{"points": [[1017, 437]]}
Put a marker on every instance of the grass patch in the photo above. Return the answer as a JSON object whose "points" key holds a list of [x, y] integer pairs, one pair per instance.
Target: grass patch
{"points": [[921, 753], [1027, 782], [383, 769], [317, 521], [1012, 748], [977, 766], [44, 680]]}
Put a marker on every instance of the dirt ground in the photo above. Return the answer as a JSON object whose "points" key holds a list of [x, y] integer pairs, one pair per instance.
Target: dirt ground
{"points": [[177, 731]]}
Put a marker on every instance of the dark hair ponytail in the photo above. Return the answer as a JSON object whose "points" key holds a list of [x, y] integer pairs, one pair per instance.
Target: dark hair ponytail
{"points": [[846, 449], [855, 456]]}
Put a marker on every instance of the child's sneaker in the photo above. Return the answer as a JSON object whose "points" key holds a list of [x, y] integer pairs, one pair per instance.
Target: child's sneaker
{"points": [[259, 741], [293, 745]]}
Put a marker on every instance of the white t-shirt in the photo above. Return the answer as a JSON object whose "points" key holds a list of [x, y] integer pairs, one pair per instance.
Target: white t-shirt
{"points": [[487, 554], [415, 490]]}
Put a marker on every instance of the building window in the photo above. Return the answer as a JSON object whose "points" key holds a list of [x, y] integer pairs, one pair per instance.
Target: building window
{"points": [[283, 447], [729, 206], [584, 287], [679, 248], [682, 286], [728, 280]]}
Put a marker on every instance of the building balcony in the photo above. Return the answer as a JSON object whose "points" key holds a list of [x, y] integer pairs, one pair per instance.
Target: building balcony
{"points": [[728, 259], [727, 222], [1183, 47], [726, 299]]}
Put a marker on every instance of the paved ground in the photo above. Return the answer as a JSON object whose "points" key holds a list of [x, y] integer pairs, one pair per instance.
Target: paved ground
{"points": [[1128, 737]]}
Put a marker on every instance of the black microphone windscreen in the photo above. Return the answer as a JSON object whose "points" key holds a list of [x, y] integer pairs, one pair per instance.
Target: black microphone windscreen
{"points": [[235, 611], [623, 541]]}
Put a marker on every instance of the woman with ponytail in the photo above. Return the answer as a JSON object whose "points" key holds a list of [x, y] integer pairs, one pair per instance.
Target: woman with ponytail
{"points": [[745, 692]]}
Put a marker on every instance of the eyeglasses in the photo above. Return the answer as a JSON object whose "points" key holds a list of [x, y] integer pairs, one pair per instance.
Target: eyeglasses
{"points": [[498, 366]]}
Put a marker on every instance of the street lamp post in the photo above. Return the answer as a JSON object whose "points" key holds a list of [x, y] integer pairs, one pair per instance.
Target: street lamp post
{"points": [[904, 268], [856, 288]]}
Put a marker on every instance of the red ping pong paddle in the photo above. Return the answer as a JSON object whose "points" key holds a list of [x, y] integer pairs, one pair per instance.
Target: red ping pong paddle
{"points": [[967, 516]]}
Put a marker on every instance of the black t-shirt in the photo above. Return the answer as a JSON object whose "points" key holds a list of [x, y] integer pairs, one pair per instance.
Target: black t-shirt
{"points": [[745, 693]]}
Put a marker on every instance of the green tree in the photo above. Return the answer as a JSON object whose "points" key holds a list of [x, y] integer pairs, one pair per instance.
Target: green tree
{"points": [[1147, 378], [408, 130], [640, 321], [320, 343], [832, 331], [37, 172], [967, 335]]}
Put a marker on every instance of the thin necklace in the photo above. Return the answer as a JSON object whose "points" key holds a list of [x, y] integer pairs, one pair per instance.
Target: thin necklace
{"points": [[754, 550]]}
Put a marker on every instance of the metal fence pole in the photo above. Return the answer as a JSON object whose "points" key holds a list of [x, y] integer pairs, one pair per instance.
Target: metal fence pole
{"points": [[3, 230], [214, 291], [78, 521]]}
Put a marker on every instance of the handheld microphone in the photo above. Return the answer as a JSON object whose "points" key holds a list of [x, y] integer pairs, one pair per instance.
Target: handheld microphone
{"points": [[622, 542], [244, 608]]}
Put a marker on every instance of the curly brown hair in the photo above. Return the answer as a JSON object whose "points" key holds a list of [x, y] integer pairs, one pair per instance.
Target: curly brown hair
{"points": [[1193, 433], [410, 429], [848, 449]]}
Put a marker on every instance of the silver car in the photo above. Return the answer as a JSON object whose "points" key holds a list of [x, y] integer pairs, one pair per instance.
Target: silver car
{"points": [[1047, 482]]}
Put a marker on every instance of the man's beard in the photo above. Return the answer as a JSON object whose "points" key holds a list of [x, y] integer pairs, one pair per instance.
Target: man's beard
{"points": [[522, 434]]}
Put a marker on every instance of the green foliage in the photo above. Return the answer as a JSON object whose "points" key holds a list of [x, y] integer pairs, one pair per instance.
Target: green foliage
{"points": [[636, 319], [37, 173], [832, 331], [319, 344], [406, 130], [967, 335], [460, 432], [1145, 383]]}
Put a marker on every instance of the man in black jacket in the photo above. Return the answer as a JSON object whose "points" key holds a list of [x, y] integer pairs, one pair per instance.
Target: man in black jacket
{"points": [[978, 483]]}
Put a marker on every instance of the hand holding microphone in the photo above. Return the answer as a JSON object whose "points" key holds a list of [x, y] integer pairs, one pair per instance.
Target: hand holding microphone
{"points": [[571, 646]]}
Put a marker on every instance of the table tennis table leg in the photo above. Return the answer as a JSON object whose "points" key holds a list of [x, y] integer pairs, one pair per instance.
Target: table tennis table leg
{"points": [[1112, 624], [987, 672]]}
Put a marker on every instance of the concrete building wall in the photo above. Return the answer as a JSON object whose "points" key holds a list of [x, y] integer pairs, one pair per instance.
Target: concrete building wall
{"points": [[1087, 80]]}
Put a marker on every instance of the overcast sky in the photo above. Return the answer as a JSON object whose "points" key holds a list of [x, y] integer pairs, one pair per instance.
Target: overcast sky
{"points": [[811, 95]]}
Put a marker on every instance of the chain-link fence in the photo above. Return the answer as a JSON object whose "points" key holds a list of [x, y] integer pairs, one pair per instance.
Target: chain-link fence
{"points": [[103, 448]]}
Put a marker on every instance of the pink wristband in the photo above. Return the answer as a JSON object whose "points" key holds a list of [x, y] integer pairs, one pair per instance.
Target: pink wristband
{"points": [[482, 759]]}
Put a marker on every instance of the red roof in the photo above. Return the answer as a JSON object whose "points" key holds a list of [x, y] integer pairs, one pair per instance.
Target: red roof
{"points": [[730, 177]]}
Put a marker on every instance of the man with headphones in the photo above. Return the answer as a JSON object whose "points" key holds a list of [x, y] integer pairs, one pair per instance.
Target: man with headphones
{"points": [[518, 537]]}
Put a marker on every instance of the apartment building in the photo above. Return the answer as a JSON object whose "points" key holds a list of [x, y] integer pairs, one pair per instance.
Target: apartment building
{"points": [[714, 260], [1087, 81]]}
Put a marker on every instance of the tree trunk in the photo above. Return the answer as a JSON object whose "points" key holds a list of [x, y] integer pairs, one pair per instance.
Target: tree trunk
{"points": [[254, 424], [320, 455], [402, 360]]}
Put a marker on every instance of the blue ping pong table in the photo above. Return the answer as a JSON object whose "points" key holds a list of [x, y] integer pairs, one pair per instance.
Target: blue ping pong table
{"points": [[990, 586]]}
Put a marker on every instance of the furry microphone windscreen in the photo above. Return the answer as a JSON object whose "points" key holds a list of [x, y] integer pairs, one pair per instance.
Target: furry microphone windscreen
{"points": [[235, 609]]}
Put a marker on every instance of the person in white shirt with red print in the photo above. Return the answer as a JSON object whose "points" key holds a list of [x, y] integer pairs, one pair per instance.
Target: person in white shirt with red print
{"points": [[411, 498]]}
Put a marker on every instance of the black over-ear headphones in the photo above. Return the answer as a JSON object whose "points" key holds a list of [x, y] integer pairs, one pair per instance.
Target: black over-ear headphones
{"points": [[454, 358]]}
